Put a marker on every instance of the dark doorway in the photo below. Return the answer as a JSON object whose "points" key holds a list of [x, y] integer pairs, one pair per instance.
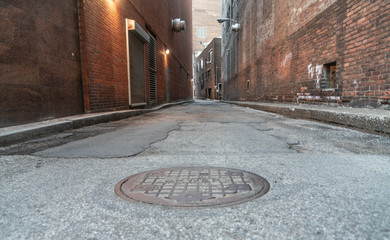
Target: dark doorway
{"points": [[208, 93], [137, 70]]}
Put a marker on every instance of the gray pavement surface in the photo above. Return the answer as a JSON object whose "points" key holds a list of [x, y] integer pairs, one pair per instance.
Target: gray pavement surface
{"points": [[327, 182], [115, 144], [372, 120], [20, 133]]}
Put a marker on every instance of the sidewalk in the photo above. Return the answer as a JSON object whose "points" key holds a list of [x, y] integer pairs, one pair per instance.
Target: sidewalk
{"points": [[371, 120], [19, 133]]}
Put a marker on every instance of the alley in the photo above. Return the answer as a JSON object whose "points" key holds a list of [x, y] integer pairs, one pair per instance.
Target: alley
{"points": [[326, 182]]}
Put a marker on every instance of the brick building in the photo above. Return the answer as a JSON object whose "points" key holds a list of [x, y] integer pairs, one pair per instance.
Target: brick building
{"points": [[307, 51], [205, 25], [207, 74], [66, 57]]}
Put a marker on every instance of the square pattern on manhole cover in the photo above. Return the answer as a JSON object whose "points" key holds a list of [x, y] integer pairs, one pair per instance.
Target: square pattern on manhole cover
{"points": [[193, 187]]}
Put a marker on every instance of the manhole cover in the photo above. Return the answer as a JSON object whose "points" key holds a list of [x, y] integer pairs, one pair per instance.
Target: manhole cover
{"points": [[193, 187]]}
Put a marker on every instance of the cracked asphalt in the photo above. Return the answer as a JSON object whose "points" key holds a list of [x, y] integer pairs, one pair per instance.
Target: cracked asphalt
{"points": [[327, 182]]}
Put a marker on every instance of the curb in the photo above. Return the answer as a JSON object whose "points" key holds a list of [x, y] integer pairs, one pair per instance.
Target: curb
{"points": [[20, 133], [379, 123]]}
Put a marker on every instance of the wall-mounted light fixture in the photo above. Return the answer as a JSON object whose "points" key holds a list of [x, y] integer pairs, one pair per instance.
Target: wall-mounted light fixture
{"points": [[235, 27], [178, 25], [167, 51]]}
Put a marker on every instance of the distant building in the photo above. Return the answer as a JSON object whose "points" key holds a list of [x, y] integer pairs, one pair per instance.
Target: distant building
{"points": [[60, 58], [205, 25], [207, 76], [307, 51]]}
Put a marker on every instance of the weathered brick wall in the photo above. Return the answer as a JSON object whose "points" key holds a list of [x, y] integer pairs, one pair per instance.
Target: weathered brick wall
{"points": [[104, 53], [366, 72], [158, 16], [103, 48], [42, 42], [284, 45], [39, 61]]}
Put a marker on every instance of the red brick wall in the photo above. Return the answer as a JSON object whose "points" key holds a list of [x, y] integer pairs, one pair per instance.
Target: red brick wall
{"points": [[158, 16], [367, 50], [282, 43], [104, 54], [103, 49], [39, 61], [58, 57]]}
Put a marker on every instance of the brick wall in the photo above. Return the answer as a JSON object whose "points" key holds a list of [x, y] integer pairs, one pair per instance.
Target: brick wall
{"points": [[60, 58], [39, 61], [104, 54], [104, 59], [366, 72], [285, 48], [158, 16]]}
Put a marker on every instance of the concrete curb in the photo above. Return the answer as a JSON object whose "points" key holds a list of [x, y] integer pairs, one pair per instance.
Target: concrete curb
{"points": [[375, 121], [20, 133]]}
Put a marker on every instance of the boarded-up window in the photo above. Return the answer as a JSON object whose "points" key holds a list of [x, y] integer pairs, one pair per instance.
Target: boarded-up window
{"points": [[201, 32], [329, 76]]}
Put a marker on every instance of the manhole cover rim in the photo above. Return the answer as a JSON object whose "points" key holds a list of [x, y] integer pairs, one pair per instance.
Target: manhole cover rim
{"points": [[265, 187]]}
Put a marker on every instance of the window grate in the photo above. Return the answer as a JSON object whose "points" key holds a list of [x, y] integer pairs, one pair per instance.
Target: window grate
{"points": [[152, 70]]}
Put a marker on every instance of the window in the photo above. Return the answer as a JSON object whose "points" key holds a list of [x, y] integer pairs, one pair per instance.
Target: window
{"points": [[201, 83], [201, 63], [211, 56], [329, 76], [201, 32], [208, 74], [248, 84]]}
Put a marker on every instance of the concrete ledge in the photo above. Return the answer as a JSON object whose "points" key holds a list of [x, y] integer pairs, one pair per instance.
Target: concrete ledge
{"points": [[20, 133], [88, 120], [372, 120], [31, 131]]}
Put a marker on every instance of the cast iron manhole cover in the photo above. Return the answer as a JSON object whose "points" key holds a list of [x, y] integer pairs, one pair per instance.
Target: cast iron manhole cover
{"points": [[193, 187]]}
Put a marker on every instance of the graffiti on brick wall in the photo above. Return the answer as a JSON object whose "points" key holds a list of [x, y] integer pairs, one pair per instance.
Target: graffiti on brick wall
{"points": [[318, 76], [286, 59], [315, 72], [310, 70]]}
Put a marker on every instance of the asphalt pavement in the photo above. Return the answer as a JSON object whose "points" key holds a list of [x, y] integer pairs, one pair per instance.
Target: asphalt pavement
{"points": [[326, 182], [366, 119]]}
